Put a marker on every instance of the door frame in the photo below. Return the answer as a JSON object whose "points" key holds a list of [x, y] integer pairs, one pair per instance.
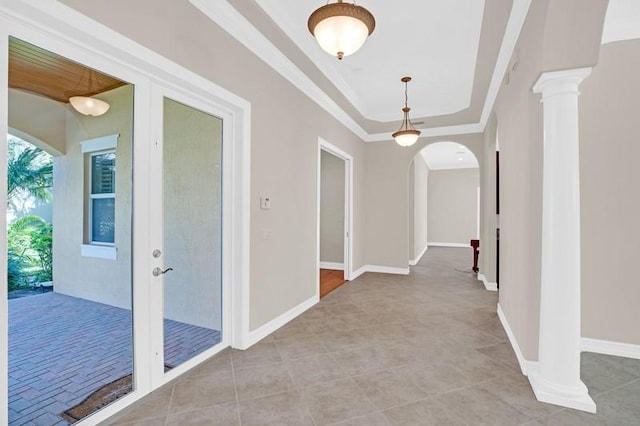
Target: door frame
{"points": [[58, 28], [323, 145], [156, 224]]}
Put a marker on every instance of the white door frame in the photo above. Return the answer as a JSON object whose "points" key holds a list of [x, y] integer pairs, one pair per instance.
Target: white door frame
{"points": [[56, 27], [156, 223], [323, 145]]}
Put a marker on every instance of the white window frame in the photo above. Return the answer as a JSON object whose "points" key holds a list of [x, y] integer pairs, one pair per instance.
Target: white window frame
{"points": [[93, 147]]}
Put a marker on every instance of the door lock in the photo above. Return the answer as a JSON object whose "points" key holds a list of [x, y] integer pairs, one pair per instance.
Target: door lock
{"points": [[158, 271]]}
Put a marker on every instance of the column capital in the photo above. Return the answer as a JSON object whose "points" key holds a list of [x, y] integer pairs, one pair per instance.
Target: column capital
{"points": [[558, 82]]}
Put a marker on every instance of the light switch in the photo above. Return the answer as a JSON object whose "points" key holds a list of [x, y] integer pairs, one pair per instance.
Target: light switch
{"points": [[265, 202]]}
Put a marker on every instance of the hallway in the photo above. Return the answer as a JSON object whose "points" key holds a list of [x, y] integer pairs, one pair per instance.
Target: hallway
{"points": [[422, 349]]}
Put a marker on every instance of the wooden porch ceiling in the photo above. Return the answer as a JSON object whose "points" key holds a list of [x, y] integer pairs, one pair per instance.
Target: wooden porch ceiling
{"points": [[39, 71]]}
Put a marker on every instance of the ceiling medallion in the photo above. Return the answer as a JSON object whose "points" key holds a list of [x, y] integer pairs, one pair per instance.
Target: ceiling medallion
{"points": [[341, 28]]}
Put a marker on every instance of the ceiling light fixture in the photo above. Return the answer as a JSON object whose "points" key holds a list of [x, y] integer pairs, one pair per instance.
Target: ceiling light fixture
{"points": [[88, 105], [341, 28], [407, 135]]}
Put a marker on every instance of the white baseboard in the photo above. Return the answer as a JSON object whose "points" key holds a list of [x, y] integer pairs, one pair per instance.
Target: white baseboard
{"points": [[263, 331], [332, 265], [606, 347], [488, 285], [380, 270], [525, 365], [415, 261], [438, 244]]}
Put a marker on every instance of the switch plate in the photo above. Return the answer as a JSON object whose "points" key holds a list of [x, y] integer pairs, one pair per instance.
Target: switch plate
{"points": [[265, 202]]}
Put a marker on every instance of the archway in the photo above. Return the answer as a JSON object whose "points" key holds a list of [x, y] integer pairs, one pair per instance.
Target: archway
{"points": [[444, 198]]}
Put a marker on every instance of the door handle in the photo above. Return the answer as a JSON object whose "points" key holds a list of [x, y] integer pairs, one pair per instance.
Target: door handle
{"points": [[158, 271]]}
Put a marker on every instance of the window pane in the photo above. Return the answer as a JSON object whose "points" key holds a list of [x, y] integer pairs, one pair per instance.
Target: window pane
{"points": [[103, 173], [103, 220]]}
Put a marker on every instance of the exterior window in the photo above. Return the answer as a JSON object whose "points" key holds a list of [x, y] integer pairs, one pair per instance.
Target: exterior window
{"points": [[102, 210], [99, 197]]}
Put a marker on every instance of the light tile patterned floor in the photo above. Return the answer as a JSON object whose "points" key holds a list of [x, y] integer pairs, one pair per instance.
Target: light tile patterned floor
{"points": [[62, 348], [423, 349]]}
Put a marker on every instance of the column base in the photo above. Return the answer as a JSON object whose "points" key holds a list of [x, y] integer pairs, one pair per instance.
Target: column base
{"points": [[576, 397]]}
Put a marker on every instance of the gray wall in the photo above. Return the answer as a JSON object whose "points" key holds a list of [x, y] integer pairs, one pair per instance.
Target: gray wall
{"points": [[488, 254], [419, 210], [453, 205], [283, 158], [387, 222], [331, 208], [610, 199], [100, 280], [546, 43], [192, 215]]}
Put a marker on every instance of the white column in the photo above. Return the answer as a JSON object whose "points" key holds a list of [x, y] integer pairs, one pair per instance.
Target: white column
{"points": [[557, 377]]}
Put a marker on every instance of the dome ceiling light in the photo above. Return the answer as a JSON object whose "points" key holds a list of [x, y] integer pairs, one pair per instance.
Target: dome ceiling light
{"points": [[341, 28], [88, 105], [407, 135]]}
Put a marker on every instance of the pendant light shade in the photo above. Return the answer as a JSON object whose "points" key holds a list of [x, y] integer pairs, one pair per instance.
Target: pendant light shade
{"points": [[407, 135], [341, 28], [89, 106], [84, 104]]}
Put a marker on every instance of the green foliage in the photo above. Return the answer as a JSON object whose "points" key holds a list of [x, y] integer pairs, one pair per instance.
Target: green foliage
{"points": [[30, 251], [30, 173], [29, 238]]}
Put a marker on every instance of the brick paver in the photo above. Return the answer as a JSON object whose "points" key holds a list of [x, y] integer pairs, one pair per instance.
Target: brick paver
{"points": [[62, 348]]}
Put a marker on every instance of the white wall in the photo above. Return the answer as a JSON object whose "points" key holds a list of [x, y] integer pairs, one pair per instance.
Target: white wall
{"points": [[332, 181], [100, 280], [453, 205], [420, 207]]}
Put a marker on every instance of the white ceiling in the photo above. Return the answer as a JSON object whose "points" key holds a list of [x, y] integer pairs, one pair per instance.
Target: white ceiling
{"points": [[622, 21], [448, 155], [433, 41]]}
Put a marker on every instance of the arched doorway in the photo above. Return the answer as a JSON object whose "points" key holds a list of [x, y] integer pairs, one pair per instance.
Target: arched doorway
{"points": [[444, 194]]}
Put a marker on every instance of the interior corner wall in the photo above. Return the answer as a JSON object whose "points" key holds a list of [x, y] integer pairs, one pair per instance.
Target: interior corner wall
{"points": [[453, 205], [520, 126], [100, 280], [387, 196], [487, 261], [546, 43], [284, 160], [610, 201], [411, 184], [420, 206], [331, 208]]}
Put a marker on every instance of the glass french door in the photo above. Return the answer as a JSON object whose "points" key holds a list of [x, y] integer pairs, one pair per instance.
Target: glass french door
{"points": [[187, 253]]}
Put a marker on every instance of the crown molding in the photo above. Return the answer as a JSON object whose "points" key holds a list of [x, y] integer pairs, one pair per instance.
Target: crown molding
{"points": [[232, 21]]}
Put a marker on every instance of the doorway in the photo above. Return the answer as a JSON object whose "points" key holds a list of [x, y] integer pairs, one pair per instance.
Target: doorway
{"points": [[145, 190], [335, 205]]}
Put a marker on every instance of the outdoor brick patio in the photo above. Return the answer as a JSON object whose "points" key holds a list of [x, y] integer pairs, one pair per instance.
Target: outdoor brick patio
{"points": [[63, 348]]}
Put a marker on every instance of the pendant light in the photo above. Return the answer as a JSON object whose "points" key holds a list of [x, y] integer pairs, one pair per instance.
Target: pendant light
{"points": [[88, 105], [341, 28], [407, 135]]}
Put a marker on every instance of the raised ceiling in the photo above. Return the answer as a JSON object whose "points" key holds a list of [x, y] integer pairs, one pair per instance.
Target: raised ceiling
{"points": [[434, 41], [44, 73], [448, 155]]}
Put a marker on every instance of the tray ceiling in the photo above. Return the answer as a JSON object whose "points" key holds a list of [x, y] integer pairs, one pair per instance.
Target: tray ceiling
{"points": [[434, 41]]}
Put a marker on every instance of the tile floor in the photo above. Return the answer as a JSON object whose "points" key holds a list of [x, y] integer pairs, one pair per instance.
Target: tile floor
{"points": [[423, 349], [62, 348]]}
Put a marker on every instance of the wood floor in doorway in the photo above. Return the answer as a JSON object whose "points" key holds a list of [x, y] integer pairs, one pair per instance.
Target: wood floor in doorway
{"points": [[330, 279]]}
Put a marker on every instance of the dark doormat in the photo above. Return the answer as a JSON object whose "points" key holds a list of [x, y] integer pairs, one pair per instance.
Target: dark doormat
{"points": [[101, 398]]}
